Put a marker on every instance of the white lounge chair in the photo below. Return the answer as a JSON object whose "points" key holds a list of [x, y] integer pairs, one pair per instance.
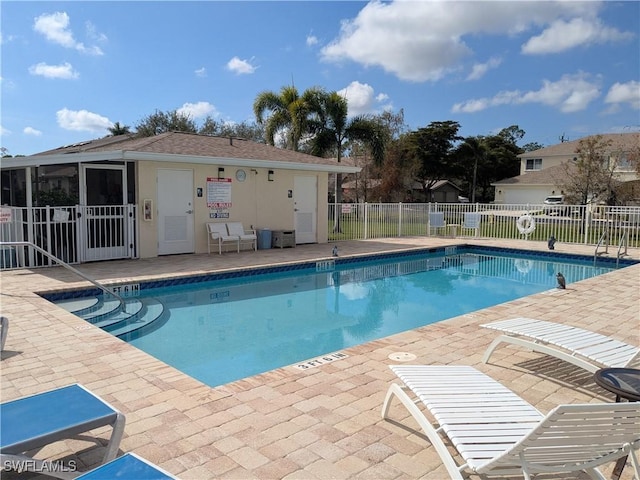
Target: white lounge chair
{"points": [[4, 329], [436, 221], [583, 348], [496, 432], [218, 235], [236, 229]]}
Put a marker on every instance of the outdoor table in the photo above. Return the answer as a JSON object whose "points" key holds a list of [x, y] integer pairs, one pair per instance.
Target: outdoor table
{"points": [[625, 384]]}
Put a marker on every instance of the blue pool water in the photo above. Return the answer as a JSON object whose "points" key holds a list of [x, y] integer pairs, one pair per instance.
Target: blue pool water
{"points": [[223, 330]]}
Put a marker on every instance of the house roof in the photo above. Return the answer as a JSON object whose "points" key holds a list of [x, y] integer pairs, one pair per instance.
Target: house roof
{"points": [[185, 148], [619, 142], [546, 176]]}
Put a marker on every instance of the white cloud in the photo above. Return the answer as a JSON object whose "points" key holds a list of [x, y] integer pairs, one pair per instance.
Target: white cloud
{"points": [[312, 40], [31, 131], [64, 71], [201, 72], [424, 41], [197, 110], [564, 35], [4, 131], [240, 67], [571, 93], [480, 69], [82, 120], [624, 93], [55, 28], [362, 99]]}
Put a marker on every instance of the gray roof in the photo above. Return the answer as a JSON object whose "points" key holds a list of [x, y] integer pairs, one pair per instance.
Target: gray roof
{"points": [[619, 142], [546, 176], [182, 147]]}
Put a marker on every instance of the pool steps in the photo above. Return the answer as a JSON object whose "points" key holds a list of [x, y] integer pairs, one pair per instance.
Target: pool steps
{"points": [[106, 314]]}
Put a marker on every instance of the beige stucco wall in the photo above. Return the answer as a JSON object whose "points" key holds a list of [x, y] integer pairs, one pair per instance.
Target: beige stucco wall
{"points": [[256, 202]]}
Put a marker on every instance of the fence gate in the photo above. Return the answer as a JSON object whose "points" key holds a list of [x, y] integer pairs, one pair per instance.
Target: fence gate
{"points": [[105, 232]]}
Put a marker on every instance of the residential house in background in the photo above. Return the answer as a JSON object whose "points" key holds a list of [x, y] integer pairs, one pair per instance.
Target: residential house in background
{"points": [[540, 170]]}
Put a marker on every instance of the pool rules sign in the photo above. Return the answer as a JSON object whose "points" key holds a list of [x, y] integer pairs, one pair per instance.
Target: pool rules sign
{"points": [[218, 197]]}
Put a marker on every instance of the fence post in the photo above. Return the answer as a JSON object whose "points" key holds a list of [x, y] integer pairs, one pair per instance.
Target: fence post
{"points": [[366, 219], [399, 219], [587, 224]]}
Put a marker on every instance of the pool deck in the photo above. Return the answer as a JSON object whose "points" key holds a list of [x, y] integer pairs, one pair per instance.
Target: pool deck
{"points": [[319, 423]]}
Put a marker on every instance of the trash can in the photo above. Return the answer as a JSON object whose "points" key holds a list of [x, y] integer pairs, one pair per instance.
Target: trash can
{"points": [[264, 238]]}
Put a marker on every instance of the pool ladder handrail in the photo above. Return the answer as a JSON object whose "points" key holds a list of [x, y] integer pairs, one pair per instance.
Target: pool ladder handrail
{"points": [[69, 267], [624, 241], [603, 237]]}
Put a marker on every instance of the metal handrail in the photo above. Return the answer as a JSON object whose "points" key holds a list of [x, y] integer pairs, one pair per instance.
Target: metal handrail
{"points": [[605, 235], [69, 267], [624, 239]]}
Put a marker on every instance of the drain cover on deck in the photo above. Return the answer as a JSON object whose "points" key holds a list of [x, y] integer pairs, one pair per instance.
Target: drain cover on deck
{"points": [[402, 356]]}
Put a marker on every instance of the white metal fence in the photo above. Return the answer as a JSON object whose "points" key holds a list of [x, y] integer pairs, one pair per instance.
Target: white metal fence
{"points": [[584, 224], [74, 234], [78, 234]]}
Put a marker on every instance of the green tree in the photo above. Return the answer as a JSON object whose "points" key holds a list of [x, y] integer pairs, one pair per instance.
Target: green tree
{"points": [[431, 148], [162, 122], [245, 130], [472, 151], [591, 176], [288, 114], [118, 129]]}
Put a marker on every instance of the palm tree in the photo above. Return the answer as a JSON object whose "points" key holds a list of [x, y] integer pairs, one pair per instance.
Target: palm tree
{"points": [[331, 129], [289, 114], [118, 129]]}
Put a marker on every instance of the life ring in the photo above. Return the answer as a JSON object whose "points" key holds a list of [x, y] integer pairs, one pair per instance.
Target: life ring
{"points": [[523, 266], [526, 224]]}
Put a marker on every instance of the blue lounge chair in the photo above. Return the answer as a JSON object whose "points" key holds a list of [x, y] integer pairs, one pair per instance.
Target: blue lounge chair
{"points": [[32, 422], [128, 466]]}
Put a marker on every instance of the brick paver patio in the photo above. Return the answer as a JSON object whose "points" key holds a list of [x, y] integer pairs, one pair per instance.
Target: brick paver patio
{"points": [[320, 423]]}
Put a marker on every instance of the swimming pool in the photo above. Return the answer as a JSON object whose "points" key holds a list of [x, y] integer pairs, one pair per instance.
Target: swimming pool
{"points": [[225, 327]]}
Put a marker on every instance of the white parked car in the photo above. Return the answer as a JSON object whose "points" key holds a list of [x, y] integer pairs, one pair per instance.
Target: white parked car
{"points": [[554, 205]]}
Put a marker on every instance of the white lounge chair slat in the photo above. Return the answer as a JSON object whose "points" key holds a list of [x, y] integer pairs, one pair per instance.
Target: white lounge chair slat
{"points": [[583, 348], [497, 438]]}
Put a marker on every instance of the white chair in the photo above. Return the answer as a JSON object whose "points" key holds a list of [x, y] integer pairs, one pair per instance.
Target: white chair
{"points": [[217, 235], [4, 329], [436, 220], [496, 432], [583, 348], [472, 221], [236, 229]]}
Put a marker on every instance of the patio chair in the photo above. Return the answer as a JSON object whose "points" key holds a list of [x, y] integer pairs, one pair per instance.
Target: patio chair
{"points": [[472, 221], [583, 348], [496, 432], [236, 229], [217, 234], [4, 329], [436, 221], [30, 423], [128, 466]]}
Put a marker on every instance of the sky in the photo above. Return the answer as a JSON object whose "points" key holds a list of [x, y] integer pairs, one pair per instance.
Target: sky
{"points": [[558, 70]]}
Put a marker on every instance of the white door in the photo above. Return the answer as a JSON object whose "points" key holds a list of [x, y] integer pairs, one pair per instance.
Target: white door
{"points": [[305, 201], [103, 228], [175, 212]]}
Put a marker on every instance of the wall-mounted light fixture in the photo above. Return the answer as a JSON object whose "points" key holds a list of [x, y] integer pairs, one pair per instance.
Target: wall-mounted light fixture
{"points": [[270, 176], [220, 173]]}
